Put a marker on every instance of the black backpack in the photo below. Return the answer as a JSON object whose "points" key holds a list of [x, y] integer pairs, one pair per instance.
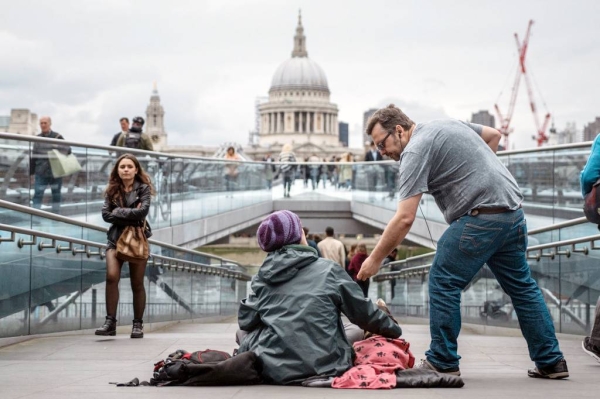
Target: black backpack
{"points": [[206, 368]]}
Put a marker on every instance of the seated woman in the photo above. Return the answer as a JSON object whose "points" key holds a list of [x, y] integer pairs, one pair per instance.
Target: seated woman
{"points": [[293, 314]]}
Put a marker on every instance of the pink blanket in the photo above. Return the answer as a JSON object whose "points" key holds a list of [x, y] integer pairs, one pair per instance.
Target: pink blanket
{"points": [[377, 359]]}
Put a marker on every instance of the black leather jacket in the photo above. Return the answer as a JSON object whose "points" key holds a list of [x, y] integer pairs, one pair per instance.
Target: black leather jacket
{"points": [[121, 217]]}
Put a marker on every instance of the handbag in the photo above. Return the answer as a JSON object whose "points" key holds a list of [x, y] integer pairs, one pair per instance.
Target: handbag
{"points": [[591, 204], [132, 245], [63, 165]]}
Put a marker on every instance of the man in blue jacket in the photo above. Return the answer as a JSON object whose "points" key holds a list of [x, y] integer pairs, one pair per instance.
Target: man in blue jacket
{"points": [[590, 175]]}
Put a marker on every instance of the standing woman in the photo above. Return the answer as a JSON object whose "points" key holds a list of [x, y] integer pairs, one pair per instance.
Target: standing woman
{"points": [[126, 203]]}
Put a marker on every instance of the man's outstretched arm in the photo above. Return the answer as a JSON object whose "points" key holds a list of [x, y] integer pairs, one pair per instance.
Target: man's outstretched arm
{"points": [[393, 235]]}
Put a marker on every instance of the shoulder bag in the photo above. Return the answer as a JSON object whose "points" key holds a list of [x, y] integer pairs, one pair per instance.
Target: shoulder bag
{"points": [[132, 245]]}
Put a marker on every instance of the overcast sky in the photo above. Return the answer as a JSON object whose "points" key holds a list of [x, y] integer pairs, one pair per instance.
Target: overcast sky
{"points": [[87, 63]]}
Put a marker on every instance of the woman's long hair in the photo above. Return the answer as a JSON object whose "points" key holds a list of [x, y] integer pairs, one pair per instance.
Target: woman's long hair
{"points": [[115, 186]]}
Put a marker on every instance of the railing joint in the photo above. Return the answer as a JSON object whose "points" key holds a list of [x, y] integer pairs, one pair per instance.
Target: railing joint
{"points": [[10, 239], [41, 245], [21, 243]]}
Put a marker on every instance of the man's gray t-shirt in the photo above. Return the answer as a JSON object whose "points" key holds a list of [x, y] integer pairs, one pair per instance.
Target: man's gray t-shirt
{"points": [[449, 160]]}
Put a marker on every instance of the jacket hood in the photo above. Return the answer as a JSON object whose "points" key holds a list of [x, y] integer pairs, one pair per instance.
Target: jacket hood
{"points": [[282, 265]]}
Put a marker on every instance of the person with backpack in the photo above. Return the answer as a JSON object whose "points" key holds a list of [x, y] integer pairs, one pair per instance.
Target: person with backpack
{"points": [[590, 176], [287, 169], [293, 315], [135, 138], [39, 166]]}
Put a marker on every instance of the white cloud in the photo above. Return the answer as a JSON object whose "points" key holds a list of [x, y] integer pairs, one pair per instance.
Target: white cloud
{"points": [[89, 63]]}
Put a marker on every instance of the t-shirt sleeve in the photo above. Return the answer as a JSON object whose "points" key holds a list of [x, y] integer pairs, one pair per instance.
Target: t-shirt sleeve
{"points": [[474, 126], [414, 174]]}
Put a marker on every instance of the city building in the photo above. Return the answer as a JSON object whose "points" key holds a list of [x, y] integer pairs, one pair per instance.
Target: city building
{"points": [[366, 115], [483, 117], [591, 130], [155, 121], [20, 121], [299, 110], [570, 134], [343, 136]]}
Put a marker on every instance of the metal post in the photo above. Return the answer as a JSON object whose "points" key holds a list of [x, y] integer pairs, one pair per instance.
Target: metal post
{"points": [[94, 313]]}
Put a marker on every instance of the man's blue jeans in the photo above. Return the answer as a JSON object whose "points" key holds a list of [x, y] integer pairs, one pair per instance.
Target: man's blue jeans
{"points": [[41, 182], [500, 241]]}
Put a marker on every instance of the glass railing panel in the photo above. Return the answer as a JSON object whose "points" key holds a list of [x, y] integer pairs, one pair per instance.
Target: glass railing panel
{"points": [[229, 299], [182, 295], [160, 302], [49, 290], [549, 181], [564, 233], [201, 305], [15, 182], [55, 284], [162, 203], [212, 295], [93, 297], [15, 280]]}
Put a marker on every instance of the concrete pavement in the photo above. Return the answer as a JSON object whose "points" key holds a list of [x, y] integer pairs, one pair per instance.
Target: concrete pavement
{"points": [[75, 366]]}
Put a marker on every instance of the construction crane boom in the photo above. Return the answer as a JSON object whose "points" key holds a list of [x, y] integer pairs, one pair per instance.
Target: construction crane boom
{"points": [[505, 120]]}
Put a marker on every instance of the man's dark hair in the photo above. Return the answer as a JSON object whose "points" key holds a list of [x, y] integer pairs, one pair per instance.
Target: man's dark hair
{"points": [[329, 231], [305, 230], [388, 118], [124, 119]]}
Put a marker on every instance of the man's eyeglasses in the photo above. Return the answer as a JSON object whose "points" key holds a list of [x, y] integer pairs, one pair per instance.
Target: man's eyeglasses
{"points": [[381, 144]]}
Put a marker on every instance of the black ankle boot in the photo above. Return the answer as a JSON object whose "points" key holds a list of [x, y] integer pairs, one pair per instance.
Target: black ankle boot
{"points": [[109, 327], [137, 331]]}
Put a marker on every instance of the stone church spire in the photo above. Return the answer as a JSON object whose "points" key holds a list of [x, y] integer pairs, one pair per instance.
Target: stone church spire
{"points": [[299, 40], [155, 124]]}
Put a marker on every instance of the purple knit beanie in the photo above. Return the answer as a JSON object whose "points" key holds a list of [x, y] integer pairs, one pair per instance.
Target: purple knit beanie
{"points": [[278, 229]]}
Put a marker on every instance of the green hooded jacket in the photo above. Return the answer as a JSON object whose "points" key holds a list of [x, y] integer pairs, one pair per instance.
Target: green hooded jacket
{"points": [[294, 316]]}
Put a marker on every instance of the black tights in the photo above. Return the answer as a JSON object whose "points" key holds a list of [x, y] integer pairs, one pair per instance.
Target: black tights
{"points": [[136, 276]]}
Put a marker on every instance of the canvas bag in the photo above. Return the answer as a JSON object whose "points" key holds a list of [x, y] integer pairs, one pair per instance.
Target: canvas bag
{"points": [[63, 165], [591, 204], [132, 245]]}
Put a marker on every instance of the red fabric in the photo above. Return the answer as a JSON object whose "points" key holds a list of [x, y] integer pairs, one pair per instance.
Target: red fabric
{"points": [[377, 359], [355, 264]]}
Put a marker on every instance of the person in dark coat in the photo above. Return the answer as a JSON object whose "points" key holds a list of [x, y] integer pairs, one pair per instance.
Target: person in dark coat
{"points": [[293, 314], [40, 169], [126, 203], [311, 243], [354, 267]]}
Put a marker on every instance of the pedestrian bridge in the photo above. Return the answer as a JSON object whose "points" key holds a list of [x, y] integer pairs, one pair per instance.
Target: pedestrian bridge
{"points": [[52, 269]]}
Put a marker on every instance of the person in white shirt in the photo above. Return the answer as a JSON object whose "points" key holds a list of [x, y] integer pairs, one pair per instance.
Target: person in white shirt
{"points": [[331, 248]]}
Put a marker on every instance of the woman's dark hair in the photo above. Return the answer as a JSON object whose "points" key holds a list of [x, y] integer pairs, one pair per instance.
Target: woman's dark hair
{"points": [[115, 184], [230, 149]]}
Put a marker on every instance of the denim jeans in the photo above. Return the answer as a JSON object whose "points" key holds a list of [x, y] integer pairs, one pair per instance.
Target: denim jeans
{"points": [[41, 182], [500, 240]]}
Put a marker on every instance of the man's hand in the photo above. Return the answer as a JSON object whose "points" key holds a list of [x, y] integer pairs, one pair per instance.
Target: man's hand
{"points": [[368, 269]]}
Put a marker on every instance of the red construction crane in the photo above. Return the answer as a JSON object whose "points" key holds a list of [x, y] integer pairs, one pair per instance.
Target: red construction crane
{"points": [[505, 128]]}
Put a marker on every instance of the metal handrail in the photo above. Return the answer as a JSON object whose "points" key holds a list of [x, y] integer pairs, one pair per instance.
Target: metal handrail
{"points": [[423, 269], [166, 261], [59, 218], [13, 136], [568, 223]]}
